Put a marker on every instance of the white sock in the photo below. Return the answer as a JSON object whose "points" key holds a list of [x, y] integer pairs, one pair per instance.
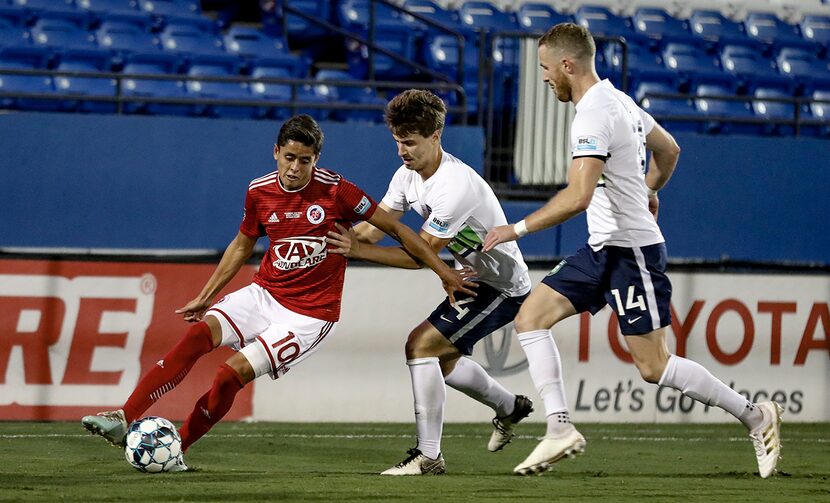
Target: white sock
{"points": [[430, 394], [696, 382], [545, 369], [471, 379]]}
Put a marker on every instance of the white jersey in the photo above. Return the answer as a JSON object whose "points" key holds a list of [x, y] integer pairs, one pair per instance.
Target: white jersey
{"points": [[457, 204], [609, 125]]}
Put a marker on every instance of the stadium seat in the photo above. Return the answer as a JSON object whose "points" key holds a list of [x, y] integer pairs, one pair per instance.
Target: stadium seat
{"points": [[272, 91], [299, 29], [341, 94], [43, 5], [447, 19], [766, 27], [815, 116], [256, 47], [105, 8], [726, 116], [642, 64], [675, 114], [804, 67], [655, 23], [753, 68], [191, 41], [219, 91], [85, 86], [13, 33], [162, 64], [475, 15], [774, 110], [538, 18], [26, 58], [716, 30], [62, 31], [126, 36], [166, 8], [816, 29], [603, 23], [694, 66]]}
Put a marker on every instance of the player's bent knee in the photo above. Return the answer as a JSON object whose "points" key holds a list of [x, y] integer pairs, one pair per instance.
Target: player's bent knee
{"points": [[240, 364]]}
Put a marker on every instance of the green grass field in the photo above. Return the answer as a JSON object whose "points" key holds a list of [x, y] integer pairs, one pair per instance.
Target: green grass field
{"points": [[340, 462]]}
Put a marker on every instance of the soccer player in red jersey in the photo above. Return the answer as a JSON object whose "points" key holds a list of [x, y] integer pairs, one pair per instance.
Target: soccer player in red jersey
{"points": [[293, 304]]}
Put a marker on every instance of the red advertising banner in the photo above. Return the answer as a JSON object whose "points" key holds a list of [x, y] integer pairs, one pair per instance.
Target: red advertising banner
{"points": [[75, 337]]}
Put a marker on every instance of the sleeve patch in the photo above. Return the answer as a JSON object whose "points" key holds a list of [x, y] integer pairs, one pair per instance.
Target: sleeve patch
{"points": [[363, 206], [439, 225], [586, 143]]}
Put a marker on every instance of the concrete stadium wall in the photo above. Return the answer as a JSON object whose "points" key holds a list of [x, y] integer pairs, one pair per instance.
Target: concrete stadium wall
{"points": [[84, 181]]}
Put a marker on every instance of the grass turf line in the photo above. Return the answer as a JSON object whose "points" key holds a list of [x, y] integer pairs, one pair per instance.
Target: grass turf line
{"points": [[340, 462]]}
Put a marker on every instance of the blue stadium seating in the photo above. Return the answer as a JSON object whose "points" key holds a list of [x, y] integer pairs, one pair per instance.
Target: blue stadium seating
{"points": [[712, 27], [476, 15], [804, 67], [348, 94], [298, 28], [160, 63], [437, 14], [602, 22], [62, 31], [816, 116], [191, 41], [539, 17], [725, 115], [669, 111], [258, 48], [753, 68], [694, 65], [41, 5], [656, 23], [218, 90], [774, 110], [105, 8], [268, 91], [13, 34], [125, 36], [165, 8], [767, 28], [816, 29], [26, 58], [643, 64], [85, 86]]}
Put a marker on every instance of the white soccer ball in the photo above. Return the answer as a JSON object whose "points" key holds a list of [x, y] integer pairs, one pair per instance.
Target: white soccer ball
{"points": [[153, 445]]}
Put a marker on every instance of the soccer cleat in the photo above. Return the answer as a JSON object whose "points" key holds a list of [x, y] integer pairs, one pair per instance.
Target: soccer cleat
{"points": [[767, 438], [549, 451], [503, 432], [179, 466], [418, 464], [111, 425]]}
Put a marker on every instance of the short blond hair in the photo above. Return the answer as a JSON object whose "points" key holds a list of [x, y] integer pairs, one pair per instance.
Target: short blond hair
{"points": [[576, 41]]}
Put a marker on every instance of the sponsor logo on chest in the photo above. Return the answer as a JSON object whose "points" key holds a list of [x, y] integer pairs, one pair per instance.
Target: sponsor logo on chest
{"points": [[298, 252]]}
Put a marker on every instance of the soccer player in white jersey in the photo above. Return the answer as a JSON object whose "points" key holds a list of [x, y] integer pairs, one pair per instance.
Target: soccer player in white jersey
{"points": [[458, 207], [623, 264], [293, 304]]}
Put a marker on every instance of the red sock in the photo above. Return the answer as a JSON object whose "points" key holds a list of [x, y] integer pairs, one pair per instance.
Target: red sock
{"points": [[212, 406], [169, 371]]}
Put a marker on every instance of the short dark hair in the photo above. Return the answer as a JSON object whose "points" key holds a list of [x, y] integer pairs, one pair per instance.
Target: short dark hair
{"points": [[303, 129], [415, 111], [574, 39]]}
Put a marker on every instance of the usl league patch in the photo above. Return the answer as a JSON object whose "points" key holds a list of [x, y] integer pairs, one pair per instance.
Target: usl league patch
{"points": [[363, 206], [586, 143], [439, 225]]}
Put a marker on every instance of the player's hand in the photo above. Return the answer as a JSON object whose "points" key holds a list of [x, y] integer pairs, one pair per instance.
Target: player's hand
{"points": [[455, 281], [497, 235], [194, 310], [654, 205], [344, 242]]}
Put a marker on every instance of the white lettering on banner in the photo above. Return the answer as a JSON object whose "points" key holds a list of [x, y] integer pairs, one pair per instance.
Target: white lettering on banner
{"points": [[75, 341]]}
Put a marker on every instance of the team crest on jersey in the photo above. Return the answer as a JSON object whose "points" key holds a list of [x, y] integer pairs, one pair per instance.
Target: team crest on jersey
{"points": [[315, 214], [363, 206], [299, 252]]}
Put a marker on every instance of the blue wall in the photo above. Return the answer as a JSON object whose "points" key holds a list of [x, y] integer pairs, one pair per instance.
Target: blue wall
{"points": [[166, 182]]}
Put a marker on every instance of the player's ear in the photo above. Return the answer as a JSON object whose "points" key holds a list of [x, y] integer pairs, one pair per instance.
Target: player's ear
{"points": [[276, 152]]}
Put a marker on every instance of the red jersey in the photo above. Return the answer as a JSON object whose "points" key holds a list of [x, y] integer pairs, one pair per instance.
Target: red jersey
{"points": [[298, 270]]}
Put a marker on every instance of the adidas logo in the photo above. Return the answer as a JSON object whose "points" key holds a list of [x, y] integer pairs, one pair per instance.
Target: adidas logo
{"points": [[160, 363], [273, 218], [205, 412]]}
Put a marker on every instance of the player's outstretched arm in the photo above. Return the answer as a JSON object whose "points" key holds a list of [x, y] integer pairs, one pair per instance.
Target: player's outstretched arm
{"points": [[236, 254], [583, 176], [420, 250], [368, 233]]}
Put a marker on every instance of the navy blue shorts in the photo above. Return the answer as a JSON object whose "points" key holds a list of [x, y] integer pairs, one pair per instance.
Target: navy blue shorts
{"points": [[632, 281], [473, 318]]}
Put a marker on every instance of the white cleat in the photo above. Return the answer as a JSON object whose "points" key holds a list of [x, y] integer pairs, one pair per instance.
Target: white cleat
{"points": [[179, 466], [766, 439], [418, 464], [111, 425], [503, 426], [549, 451]]}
